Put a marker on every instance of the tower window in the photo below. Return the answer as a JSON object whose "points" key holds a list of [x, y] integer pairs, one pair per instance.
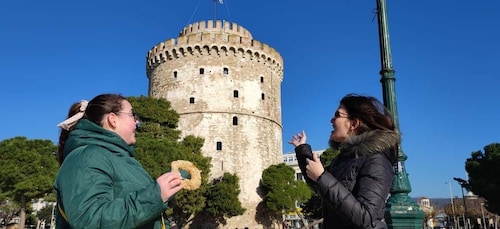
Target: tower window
{"points": [[226, 71], [262, 79], [202, 71], [262, 96], [175, 74], [219, 145], [191, 100], [235, 121], [235, 93]]}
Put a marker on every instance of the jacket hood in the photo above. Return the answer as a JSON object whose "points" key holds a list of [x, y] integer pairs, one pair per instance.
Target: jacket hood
{"points": [[88, 133], [371, 142]]}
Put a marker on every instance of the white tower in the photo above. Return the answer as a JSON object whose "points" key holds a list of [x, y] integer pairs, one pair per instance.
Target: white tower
{"points": [[226, 87]]}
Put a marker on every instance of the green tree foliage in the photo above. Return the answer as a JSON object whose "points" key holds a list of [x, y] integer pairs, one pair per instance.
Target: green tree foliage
{"points": [[280, 189], [483, 170], [28, 171], [45, 214], [327, 156], [158, 144], [313, 208], [223, 197]]}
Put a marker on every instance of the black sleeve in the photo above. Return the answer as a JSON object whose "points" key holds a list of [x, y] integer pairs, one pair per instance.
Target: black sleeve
{"points": [[302, 152], [362, 207]]}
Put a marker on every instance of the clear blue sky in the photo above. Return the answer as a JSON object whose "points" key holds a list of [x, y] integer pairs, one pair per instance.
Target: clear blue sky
{"points": [[446, 55]]}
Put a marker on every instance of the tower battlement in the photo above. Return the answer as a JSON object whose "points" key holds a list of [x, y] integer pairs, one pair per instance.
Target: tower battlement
{"points": [[211, 38], [211, 26]]}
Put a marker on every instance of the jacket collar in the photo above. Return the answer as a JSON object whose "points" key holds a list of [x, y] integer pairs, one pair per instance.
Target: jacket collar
{"points": [[370, 142], [88, 133]]}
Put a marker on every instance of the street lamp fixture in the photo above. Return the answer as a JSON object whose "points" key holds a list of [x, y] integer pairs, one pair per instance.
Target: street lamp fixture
{"points": [[452, 207]]}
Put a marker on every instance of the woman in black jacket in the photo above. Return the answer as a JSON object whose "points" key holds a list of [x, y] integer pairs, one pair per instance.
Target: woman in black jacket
{"points": [[355, 186]]}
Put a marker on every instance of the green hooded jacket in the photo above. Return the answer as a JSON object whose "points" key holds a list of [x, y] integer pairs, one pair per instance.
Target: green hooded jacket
{"points": [[101, 184]]}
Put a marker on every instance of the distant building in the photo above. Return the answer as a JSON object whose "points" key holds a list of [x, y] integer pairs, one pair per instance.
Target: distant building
{"points": [[425, 205], [38, 204]]}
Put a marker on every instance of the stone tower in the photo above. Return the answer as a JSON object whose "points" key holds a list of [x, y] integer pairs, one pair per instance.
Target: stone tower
{"points": [[226, 87]]}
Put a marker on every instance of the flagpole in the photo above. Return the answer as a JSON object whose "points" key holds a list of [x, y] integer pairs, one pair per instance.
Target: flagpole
{"points": [[215, 9]]}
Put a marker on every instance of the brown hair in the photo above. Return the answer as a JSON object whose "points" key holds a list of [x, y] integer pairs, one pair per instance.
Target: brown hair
{"points": [[96, 109], [371, 113]]}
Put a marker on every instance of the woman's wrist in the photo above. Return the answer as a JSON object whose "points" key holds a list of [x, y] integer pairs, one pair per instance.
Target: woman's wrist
{"points": [[321, 175]]}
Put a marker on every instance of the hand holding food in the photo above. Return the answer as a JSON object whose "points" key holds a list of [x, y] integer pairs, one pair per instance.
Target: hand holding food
{"points": [[194, 172]]}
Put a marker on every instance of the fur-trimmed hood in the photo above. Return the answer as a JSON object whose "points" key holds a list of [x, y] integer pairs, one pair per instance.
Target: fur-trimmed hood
{"points": [[370, 142]]}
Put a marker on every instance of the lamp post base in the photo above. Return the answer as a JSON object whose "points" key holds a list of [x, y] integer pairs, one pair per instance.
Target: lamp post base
{"points": [[402, 212]]}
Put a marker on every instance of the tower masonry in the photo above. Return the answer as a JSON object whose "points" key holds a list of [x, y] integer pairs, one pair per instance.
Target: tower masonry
{"points": [[226, 87]]}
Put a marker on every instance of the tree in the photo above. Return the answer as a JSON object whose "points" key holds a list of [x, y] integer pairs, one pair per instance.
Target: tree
{"points": [[45, 214], [222, 198], [28, 171], [8, 210], [327, 156], [483, 173], [281, 191], [158, 144], [429, 214]]}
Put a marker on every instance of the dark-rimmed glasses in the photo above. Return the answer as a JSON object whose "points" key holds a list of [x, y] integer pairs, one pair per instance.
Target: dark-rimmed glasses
{"points": [[131, 114]]}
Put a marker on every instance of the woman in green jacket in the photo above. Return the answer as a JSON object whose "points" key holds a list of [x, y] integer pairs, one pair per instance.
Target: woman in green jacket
{"points": [[100, 183]]}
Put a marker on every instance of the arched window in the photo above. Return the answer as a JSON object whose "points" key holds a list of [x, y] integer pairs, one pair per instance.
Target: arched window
{"points": [[235, 93], [191, 100], [262, 79], [202, 71], [175, 74], [235, 120], [226, 71], [262, 96], [219, 145]]}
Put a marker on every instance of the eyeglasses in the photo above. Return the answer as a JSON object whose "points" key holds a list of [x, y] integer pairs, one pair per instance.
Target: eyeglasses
{"points": [[338, 115], [131, 114]]}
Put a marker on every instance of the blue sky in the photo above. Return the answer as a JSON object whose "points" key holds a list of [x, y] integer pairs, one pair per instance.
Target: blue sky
{"points": [[445, 53]]}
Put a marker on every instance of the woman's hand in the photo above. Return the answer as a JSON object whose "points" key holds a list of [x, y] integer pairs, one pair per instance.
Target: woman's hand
{"points": [[298, 139], [170, 183], [314, 168]]}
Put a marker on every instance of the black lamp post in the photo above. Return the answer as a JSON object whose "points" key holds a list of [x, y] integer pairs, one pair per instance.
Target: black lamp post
{"points": [[463, 184]]}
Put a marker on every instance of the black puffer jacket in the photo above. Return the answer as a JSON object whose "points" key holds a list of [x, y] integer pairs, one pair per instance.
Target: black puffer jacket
{"points": [[355, 186]]}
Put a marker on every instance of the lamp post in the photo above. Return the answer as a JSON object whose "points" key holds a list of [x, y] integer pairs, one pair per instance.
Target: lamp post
{"points": [[401, 211], [52, 216], [452, 206], [482, 214], [463, 184]]}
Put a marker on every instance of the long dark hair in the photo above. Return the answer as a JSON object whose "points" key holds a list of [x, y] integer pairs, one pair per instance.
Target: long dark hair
{"points": [[96, 109], [373, 115]]}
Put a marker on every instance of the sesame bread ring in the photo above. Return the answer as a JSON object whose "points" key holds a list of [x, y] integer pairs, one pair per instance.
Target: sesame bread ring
{"points": [[195, 173]]}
